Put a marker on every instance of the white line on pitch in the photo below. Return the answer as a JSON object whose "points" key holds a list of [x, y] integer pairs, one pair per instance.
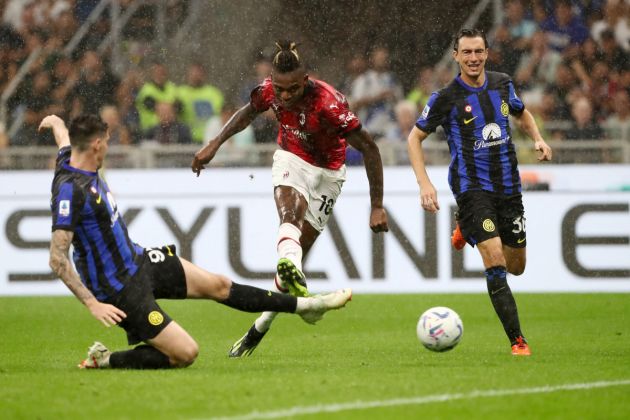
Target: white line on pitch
{"points": [[427, 399]]}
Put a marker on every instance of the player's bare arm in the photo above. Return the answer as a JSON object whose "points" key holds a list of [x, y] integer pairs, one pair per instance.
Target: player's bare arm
{"points": [[528, 125], [239, 121], [362, 141], [61, 265], [60, 132], [428, 195]]}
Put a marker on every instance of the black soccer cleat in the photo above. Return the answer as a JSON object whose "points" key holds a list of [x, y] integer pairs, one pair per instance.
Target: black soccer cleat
{"points": [[246, 345]]}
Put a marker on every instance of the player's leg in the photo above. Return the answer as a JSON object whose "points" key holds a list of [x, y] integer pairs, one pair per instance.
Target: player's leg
{"points": [[515, 259], [291, 206], [246, 345]]}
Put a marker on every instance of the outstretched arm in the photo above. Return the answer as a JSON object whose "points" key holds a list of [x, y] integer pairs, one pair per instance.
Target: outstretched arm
{"points": [[528, 125], [59, 129], [361, 140], [239, 121], [60, 263], [428, 195]]}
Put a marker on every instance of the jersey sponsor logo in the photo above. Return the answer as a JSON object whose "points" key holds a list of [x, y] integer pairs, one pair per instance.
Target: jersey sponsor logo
{"points": [[488, 225], [425, 111], [491, 134], [505, 109], [64, 208], [469, 120], [155, 318], [302, 135]]}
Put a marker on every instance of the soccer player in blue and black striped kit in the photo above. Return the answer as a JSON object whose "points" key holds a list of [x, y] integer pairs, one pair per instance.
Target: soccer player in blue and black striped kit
{"points": [[118, 280], [483, 174]]}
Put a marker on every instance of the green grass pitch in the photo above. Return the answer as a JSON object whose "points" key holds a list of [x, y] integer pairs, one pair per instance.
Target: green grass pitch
{"points": [[361, 362]]}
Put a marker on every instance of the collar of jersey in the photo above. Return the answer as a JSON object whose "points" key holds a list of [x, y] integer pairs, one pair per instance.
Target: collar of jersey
{"points": [[66, 165], [471, 88]]}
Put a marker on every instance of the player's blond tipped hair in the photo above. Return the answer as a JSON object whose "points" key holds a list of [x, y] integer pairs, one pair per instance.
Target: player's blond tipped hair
{"points": [[286, 58]]}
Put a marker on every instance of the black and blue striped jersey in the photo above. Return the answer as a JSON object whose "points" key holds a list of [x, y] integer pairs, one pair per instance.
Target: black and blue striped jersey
{"points": [[81, 202], [476, 123]]}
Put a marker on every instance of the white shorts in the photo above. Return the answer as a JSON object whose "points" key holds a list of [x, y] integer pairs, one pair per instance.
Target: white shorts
{"points": [[319, 186]]}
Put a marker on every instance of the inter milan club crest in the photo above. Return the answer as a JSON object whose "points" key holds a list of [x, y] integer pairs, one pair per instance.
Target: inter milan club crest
{"points": [[302, 118], [468, 108]]}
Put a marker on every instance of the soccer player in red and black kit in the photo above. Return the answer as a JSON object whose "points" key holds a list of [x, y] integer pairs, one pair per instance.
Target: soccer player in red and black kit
{"points": [[118, 280], [308, 170], [474, 111]]}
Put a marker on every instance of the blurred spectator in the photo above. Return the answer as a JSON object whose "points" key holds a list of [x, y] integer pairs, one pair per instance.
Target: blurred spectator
{"points": [[356, 66], [537, 67], [96, 86], [615, 19], [27, 133], [616, 58], [584, 127], [512, 38], [4, 139], [157, 89], [265, 127], [425, 86], [63, 76], [168, 130], [237, 145], [374, 94], [565, 31], [126, 93], [118, 133], [200, 101], [617, 125]]}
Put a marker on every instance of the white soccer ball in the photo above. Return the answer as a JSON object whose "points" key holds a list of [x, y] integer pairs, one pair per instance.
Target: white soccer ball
{"points": [[440, 329]]}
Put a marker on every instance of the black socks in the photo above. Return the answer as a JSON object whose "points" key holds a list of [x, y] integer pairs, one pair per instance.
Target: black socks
{"points": [[503, 301], [141, 357], [252, 299]]}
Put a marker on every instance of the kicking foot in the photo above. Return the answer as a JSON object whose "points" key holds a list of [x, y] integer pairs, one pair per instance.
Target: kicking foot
{"points": [[97, 357], [292, 278], [320, 304], [246, 345]]}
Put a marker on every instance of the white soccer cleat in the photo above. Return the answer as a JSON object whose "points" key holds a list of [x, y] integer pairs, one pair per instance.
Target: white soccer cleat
{"points": [[97, 357], [320, 304]]}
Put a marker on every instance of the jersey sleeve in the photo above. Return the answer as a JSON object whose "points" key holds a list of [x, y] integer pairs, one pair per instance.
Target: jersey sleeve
{"points": [[338, 115], [62, 155], [514, 102], [433, 115], [260, 98], [65, 205]]}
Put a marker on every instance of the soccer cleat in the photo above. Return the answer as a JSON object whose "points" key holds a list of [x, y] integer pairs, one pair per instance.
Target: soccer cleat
{"points": [[246, 345], [520, 347], [320, 304], [292, 278], [457, 239], [97, 357]]}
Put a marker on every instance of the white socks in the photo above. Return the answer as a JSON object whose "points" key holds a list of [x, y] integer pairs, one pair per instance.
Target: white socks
{"points": [[289, 244]]}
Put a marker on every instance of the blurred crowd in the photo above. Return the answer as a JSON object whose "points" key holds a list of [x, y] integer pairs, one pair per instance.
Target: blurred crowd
{"points": [[569, 61]]}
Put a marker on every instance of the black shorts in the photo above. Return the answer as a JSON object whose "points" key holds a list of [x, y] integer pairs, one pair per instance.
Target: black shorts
{"points": [[160, 276], [484, 215]]}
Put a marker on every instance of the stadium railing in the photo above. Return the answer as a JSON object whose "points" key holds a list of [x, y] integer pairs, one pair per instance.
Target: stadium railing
{"points": [[152, 155]]}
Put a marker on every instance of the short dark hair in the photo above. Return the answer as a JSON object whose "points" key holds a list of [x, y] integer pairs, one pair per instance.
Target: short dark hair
{"points": [[469, 33], [286, 58], [83, 129]]}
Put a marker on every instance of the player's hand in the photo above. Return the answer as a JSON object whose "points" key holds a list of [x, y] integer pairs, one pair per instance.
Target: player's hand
{"points": [[378, 220], [108, 314], [428, 198], [203, 156], [50, 121], [543, 149]]}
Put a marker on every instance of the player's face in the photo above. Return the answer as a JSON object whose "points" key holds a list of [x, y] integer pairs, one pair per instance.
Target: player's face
{"points": [[289, 87], [471, 55]]}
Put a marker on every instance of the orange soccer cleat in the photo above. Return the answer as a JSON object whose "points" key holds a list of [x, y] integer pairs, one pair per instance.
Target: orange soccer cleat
{"points": [[520, 348], [457, 239]]}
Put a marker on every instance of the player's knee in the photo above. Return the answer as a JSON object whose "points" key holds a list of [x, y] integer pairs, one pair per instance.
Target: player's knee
{"points": [[516, 269], [186, 355]]}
